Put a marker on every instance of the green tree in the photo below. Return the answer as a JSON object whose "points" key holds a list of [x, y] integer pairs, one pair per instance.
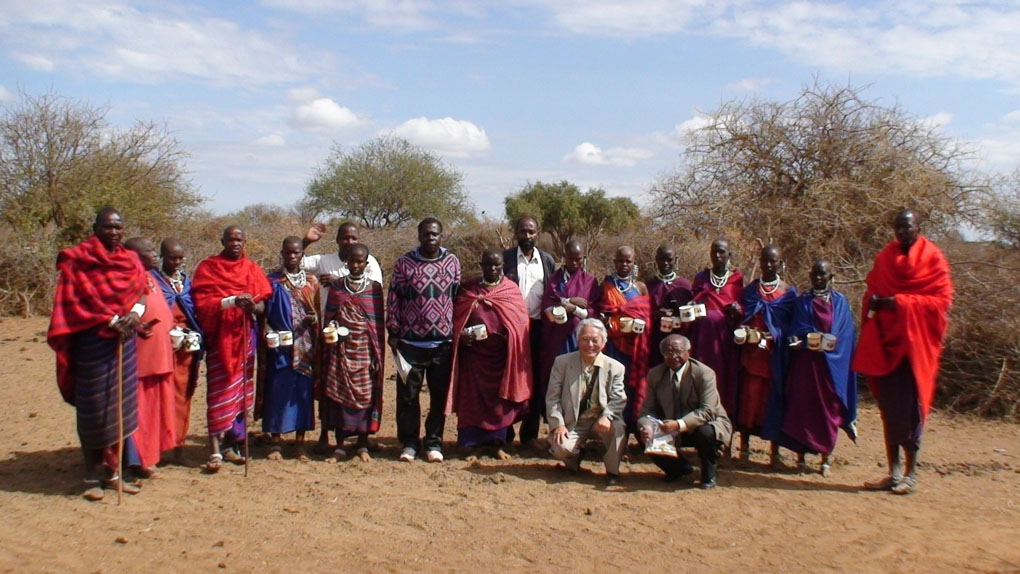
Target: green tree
{"points": [[60, 161], [567, 213], [387, 182]]}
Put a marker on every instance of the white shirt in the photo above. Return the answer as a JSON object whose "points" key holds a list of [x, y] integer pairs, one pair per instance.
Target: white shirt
{"points": [[331, 264], [675, 377], [531, 275]]}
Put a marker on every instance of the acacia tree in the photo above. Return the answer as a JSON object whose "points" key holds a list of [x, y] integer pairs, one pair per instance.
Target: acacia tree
{"points": [[821, 175], [60, 161], [387, 182], [566, 213]]}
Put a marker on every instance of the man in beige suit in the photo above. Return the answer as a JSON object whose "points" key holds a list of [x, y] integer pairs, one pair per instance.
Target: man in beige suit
{"points": [[586, 396], [682, 395]]}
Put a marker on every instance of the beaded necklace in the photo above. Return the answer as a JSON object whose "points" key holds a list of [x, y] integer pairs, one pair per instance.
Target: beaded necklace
{"points": [[297, 280], [360, 283], [768, 287]]}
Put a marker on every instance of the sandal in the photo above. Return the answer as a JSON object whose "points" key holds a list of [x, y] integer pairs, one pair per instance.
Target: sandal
{"points": [[885, 483], [825, 470], [125, 487], [231, 455], [363, 455], [212, 466], [93, 491], [906, 485]]}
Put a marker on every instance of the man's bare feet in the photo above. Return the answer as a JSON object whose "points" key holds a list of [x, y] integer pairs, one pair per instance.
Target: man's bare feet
{"points": [[301, 456], [338, 454], [93, 491], [275, 454], [885, 483], [213, 465], [125, 487], [501, 454], [363, 455]]}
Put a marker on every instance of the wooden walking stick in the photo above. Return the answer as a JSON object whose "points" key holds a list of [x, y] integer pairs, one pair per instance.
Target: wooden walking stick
{"points": [[120, 419], [244, 390]]}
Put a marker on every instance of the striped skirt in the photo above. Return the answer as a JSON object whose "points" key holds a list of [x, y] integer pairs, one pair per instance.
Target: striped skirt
{"points": [[94, 367], [229, 393]]}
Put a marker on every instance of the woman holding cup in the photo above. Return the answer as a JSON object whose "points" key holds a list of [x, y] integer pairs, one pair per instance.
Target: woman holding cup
{"points": [[820, 392], [767, 302], [352, 378], [290, 343]]}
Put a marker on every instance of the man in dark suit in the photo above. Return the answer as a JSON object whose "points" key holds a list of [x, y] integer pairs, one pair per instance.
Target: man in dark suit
{"points": [[682, 396], [530, 268]]}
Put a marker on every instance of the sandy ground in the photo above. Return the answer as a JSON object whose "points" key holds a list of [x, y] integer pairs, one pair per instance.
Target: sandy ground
{"points": [[507, 516]]}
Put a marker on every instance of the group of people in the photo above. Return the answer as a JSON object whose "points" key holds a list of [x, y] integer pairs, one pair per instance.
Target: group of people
{"points": [[674, 362]]}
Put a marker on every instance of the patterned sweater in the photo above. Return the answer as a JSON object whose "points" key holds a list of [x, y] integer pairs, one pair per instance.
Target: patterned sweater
{"points": [[420, 301]]}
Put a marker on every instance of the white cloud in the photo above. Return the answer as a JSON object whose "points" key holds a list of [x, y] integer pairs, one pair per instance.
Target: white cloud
{"points": [[938, 120], [271, 140], [588, 153], [917, 38], [749, 84], [634, 17], [1012, 117], [149, 43], [405, 15], [35, 61], [302, 94], [5, 94], [448, 136], [323, 114]]}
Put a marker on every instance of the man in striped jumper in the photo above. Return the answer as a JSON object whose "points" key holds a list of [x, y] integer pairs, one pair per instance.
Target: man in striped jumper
{"points": [[420, 325]]}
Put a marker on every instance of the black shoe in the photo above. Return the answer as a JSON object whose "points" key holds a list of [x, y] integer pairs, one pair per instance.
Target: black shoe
{"points": [[707, 474]]}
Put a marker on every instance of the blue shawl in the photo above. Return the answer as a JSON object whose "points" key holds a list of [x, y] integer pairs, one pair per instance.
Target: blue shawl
{"points": [[186, 303], [777, 315], [843, 379]]}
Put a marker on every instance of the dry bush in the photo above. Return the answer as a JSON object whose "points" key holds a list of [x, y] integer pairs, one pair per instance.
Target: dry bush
{"points": [[981, 362]]}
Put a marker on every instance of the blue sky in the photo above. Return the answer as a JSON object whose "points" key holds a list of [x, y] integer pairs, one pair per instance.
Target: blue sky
{"points": [[596, 92]]}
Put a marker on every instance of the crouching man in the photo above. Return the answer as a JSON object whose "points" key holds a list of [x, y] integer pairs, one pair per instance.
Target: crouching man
{"points": [[586, 396], [682, 395]]}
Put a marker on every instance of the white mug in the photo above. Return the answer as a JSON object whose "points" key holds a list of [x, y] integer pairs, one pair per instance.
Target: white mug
{"points": [[814, 341], [639, 326], [177, 338], [343, 333], [192, 342], [753, 336], [228, 302], [740, 336], [272, 339], [700, 310], [666, 324], [559, 314], [626, 324], [828, 342], [687, 314], [286, 338], [330, 336]]}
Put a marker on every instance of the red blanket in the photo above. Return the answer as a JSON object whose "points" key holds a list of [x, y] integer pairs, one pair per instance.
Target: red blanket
{"points": [[93, 285], [506, 300], [215, 278], [923, 289], [637, 347]]}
